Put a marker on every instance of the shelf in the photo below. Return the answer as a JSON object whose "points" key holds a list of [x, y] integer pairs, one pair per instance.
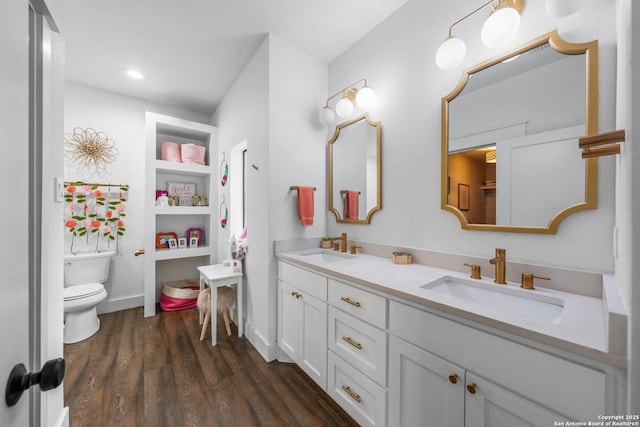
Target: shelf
{"points": [[176, 168], [165, 254], [183, 210], [489, 187]]}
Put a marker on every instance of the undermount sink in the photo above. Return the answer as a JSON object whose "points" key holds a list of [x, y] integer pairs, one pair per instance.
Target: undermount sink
{"points": [[530, 304], [328, 256]]}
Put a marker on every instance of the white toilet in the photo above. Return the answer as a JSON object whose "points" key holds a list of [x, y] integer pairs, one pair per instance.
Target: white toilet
{"points": [[84, 275]]}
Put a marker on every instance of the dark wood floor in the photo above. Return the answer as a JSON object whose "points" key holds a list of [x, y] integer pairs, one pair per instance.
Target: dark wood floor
{"points": [[154, 371]]}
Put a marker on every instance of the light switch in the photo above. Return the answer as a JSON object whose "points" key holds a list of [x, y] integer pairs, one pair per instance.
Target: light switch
{"points": [[58, 189]]}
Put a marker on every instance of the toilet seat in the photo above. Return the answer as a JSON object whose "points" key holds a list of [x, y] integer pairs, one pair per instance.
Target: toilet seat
{"points": [[76, 292]]}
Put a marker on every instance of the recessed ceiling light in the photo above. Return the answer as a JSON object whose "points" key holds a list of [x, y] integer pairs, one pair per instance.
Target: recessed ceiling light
{"points": [[134, 74]]}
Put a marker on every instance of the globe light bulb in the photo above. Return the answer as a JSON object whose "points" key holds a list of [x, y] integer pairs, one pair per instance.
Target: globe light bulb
{"points": [[344, 108], [450, 53], [326, 116], [501, 25], [365, 98]]}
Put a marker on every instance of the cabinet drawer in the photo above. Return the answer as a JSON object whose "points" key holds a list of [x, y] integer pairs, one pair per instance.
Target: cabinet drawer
{"points": [[361, 304], [308, 282], [359, 343], [566, 387], [360, 397]]}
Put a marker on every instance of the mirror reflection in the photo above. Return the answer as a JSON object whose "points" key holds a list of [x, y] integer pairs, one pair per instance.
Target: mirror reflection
{"points": [[511, 160], [354, 170]]}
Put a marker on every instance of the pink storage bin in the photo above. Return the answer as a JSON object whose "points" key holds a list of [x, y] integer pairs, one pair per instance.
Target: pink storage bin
{"points": [[179, 295], [170, 151], [192, 153]]}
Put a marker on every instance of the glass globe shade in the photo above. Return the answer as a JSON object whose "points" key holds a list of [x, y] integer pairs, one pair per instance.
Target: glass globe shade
{"points": [[450, 53], [344, 107], [562, 8], [365, 98], [326, 116], [500, 26]]}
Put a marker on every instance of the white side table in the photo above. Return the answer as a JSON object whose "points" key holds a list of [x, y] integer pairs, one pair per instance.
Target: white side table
{"points": [[217, 275]]}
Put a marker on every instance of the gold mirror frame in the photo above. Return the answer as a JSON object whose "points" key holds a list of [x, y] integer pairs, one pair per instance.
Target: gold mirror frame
{"points": [[590, 50], [333, 139]]}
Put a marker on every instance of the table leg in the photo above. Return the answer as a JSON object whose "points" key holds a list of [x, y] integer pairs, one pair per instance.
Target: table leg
{"points": [[239, 306], [203, 285], [214, 308]]}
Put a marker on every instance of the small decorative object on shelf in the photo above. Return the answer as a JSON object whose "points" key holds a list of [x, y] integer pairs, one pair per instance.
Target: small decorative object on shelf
{"points": [[173, 244], [402, 258], [196, 233], [224, 171], [325, 243], [162, 239], [182, 243], [183, 191], [193, 242]]}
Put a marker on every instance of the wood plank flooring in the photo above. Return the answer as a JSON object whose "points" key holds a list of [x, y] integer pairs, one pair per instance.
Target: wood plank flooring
{"points": [[154, 371]]}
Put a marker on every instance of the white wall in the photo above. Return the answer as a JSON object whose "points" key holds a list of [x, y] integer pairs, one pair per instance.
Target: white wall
{"points": [[273, 105], [123, 120], [397, 59]]}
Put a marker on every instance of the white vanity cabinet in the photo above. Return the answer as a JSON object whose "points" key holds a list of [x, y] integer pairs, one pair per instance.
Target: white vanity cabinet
{"points": [[302, 320], [423, 387], [357, 377], [500, 382]]}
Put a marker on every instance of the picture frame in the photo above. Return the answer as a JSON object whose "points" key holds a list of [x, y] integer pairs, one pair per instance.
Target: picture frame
{"points": [[173, 244], [196, 232], [162, 239], [182, 243], [463, 197], [193, 242], [183, 192]]}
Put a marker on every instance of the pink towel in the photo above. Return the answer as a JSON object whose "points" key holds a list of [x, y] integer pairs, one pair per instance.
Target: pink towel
{"points": [[305, 205], [351, 206]]}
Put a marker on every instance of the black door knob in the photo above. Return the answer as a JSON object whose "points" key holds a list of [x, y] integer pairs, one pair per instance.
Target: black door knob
{"points": [[49, 378]]}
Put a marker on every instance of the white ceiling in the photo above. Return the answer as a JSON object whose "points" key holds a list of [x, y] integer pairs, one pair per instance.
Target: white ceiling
{"points": [[191, 51]]}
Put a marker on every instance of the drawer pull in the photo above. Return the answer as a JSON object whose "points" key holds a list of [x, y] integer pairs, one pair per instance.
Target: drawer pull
{"points": [[453, 378], [350, 341], [348, 301], [471, 388], [295, 294], [354, 396]]}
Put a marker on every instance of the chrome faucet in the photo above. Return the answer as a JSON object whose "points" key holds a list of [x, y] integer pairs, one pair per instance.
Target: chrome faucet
{"points": [[343, 241], [500, 261]]}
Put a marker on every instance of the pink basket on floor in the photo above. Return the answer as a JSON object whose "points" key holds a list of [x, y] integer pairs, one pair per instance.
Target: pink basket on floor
{"points": [[192, 153], [170, 151], [179, 295]]}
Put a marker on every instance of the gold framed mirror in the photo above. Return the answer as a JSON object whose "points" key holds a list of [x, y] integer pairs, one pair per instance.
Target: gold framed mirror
{"points": [[354, 154], [510, 130]]}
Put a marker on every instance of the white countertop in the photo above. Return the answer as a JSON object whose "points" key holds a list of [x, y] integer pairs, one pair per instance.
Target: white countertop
{"points": [[582, 327]]}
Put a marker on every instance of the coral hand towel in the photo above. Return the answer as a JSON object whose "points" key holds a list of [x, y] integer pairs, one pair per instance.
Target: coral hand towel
{"points": [[351, 206], [305, 205]]}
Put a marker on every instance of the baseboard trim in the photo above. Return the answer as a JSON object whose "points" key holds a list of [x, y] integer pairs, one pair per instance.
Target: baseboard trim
{"points": [[268, 351], [118, 304]]}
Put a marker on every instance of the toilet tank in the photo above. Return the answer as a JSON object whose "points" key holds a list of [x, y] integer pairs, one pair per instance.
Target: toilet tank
{"points": [[87, 268]]}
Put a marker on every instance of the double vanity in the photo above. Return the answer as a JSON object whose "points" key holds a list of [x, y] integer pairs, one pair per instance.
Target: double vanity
{"points": [[400, 344]]}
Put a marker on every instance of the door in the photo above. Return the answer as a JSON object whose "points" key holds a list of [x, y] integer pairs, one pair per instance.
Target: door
{"points": [[489, 405], [313, 338], [14, 253], [424, 390], [288, 325]]}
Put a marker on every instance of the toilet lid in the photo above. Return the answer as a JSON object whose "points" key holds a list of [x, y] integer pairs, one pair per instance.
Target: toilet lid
{"points": [[82, 291]]}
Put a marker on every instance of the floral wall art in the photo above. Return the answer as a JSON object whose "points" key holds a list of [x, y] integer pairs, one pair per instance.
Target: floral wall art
{"points": [[95, 215]]}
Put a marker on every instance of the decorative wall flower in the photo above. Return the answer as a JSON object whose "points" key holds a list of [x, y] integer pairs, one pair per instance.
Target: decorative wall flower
{"points": [[90, 151]]}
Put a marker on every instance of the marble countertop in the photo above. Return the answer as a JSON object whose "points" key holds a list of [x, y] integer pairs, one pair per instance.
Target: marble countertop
{"points": [[582, 328]]}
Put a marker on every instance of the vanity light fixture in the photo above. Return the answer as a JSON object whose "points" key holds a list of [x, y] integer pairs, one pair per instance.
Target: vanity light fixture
{"points": [[363, 97], [502, 24]]}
